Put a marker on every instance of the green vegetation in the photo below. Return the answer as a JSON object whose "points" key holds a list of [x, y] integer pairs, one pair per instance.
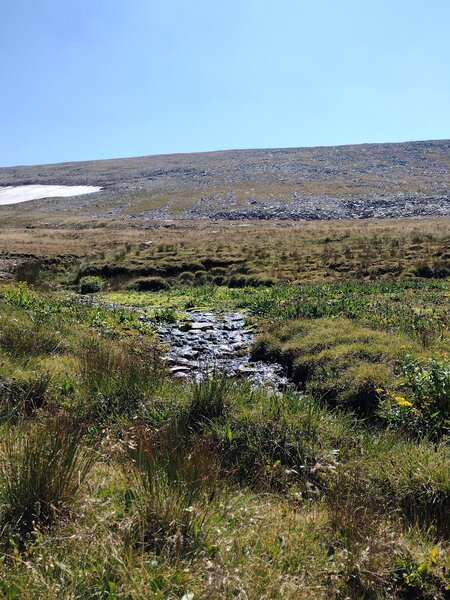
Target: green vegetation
{"points": [[42, 467], [253, 254], [427, 413], [117, 481], [342, 361], [90, 284], [149, 284], [172, 488]]}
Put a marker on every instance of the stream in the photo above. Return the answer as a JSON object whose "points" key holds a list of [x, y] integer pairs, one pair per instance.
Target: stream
{"points": [[207, 342]]}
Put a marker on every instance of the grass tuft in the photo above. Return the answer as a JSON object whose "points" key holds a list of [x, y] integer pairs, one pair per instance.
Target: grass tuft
{"points": [[117, 378], [172, 488], [41, 471]]}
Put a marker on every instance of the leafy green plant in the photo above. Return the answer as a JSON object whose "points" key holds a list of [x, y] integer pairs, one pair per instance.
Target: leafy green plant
{"points": [[409, 306], [416, 578], [429, 383], [165, 315], [426, 410], [20, 295]]}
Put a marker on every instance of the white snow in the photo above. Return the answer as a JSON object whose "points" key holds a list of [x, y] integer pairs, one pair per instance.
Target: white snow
{"points": [[23, 193]]}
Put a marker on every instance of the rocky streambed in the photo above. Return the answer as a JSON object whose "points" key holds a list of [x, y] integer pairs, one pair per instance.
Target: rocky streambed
{"points": [[207, 342]]}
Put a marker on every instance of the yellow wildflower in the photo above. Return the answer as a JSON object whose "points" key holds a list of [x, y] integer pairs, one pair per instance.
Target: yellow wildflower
{"points": [[402, 401]]}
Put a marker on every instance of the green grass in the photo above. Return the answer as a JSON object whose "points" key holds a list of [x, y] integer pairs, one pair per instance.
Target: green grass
{"points": [[408, 476], [42, 468], [261, 256], [169, 488], [338, 359], [116, 378], [415, 307], [172, 489]]}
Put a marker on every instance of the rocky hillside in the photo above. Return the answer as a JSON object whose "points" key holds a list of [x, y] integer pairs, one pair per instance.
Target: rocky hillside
{"points": [[362, 181]]}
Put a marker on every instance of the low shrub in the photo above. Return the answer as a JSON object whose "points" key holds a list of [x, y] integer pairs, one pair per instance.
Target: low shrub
{"points": [[420, 579], [412, 306], [429, 382], [90, 284], [149, 284]]}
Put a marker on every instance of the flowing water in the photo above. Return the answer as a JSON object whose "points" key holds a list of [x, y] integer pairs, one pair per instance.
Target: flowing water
{"points": [[207, 342]]}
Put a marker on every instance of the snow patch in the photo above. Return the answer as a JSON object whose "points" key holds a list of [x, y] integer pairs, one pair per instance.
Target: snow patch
{"points": [[24, 193]]}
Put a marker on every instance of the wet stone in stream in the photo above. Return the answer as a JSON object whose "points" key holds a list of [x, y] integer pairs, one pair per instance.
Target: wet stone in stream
{"points": [[206, 342]]}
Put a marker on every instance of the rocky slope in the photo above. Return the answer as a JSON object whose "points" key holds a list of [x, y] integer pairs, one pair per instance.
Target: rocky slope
{"points": [[364, 181]]}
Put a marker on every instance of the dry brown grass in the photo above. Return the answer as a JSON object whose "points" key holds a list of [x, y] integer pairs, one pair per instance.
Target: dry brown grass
{"points": [[81, 237], [307, 251]]}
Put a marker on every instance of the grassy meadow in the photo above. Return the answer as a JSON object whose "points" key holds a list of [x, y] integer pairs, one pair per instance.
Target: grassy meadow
{"points": [[119, 481]]}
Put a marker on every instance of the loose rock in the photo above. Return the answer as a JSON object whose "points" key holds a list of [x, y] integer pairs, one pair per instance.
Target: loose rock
{"points": [[206, 343]]}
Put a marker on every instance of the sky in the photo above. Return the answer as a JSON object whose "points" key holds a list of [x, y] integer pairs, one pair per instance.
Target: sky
{"points": [[91, 79]]}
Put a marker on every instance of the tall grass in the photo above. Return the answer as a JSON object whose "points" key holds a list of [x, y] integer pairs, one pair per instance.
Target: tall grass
{"points": [[364, 524], [21, 335], [19, 399], [274, 442], [117, 378], [394, 474], [41, 470], [173, 485], [209, 398]]}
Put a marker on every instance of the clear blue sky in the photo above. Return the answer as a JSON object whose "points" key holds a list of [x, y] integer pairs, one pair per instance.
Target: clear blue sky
{"points": [[86, 79]]}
